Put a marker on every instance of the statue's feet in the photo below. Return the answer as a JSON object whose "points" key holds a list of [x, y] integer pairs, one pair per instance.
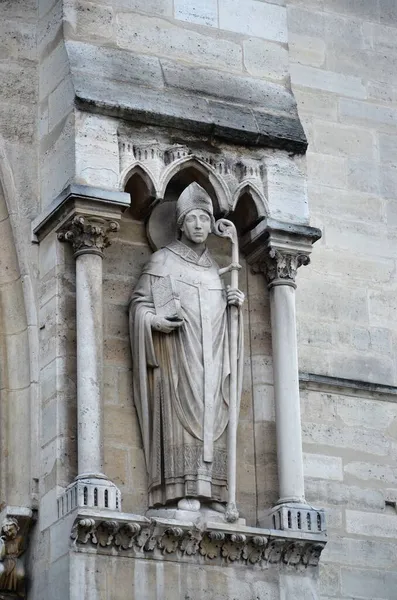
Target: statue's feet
{"points": [[189, 504]]}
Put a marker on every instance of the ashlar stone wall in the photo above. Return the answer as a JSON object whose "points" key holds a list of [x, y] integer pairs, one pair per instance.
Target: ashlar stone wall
{"points": [[343, 57]]}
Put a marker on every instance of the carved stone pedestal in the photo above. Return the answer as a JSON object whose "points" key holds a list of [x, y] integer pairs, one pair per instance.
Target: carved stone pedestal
{"points": [[295, 517], [95, 492]]}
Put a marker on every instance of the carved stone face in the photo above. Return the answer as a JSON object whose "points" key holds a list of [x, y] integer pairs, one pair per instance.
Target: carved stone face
{"points": [[10, 530], [197, 226]]}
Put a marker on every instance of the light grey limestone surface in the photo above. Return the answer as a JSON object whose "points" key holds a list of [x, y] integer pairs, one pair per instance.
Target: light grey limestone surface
{"points": [[341, 59]]}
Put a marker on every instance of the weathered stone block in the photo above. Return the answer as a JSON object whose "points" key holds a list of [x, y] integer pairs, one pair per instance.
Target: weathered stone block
{"points": [[202, 12], [382, 307], [338, 140], [320, 466], [387, 11], [329, 580], [265, 59], [358, 206], [60, 102], [363, 175], [370, 524], [115, 64], [331, 302], [307, 50], [96, 149], [49, 27], [255, 18], [121, 425], [89, 20], [329, 81], [363, 9], [368, 583], [340, 494], [364, 440], [316, 104], [53, 69], [374, 554], [160, 37], [229, 86], [307, 23], [382, 474], [327, 170], [17, 122], [57, 160], [355, 110], [17, 40]]}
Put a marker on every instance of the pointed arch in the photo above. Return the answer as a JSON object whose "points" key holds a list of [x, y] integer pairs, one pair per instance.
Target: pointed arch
{"points": [[184, 171], [249, 207], [139, 183]]}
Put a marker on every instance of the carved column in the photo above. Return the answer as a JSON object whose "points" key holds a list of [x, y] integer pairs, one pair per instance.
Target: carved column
{"points": [[280, 269], [278, 250], [89, 236]]}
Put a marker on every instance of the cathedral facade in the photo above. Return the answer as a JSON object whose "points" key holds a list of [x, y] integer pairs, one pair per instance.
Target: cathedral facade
{"points": [[198, 374]]}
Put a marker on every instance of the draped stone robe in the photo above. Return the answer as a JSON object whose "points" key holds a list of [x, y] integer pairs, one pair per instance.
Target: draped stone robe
{"points": [[181, 379]]}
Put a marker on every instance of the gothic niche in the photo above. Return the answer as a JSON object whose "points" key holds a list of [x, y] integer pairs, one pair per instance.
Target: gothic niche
{"points": [[186, 331]]}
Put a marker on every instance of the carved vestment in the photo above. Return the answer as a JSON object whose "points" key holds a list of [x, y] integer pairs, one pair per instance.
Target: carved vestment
{"points": [[181, 379], [12, 571]]}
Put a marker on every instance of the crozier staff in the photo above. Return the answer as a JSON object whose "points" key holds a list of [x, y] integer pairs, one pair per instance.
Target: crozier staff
{"points": [[179, 327]]}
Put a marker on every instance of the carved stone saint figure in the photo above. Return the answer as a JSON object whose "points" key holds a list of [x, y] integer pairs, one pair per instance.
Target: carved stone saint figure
{"points": [[12, 571], [181, 365]]}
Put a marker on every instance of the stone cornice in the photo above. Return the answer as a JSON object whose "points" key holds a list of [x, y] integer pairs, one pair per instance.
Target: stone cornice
{"points": [[212, 543], [278, 249], [156, 91], [104, 206]]}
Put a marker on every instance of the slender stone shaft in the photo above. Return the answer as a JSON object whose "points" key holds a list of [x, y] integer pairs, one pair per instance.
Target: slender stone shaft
{"points": [[286, 391], [89, 237], [89, 315]]}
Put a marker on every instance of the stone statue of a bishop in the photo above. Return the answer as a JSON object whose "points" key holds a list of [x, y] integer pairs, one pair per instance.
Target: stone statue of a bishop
{"points": [[179, 329]]}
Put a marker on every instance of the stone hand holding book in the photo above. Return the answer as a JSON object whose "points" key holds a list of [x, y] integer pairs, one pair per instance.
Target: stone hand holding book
{"points": [[166, 300]]}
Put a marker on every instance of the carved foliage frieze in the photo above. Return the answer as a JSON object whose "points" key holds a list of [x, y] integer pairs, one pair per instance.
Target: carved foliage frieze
{"points": [[159, 540]]}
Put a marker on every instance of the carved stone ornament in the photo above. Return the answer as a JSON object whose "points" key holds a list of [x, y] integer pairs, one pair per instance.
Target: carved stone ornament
{"points": [[88, 234], [161, 539], [281, 267], [14, 529]]}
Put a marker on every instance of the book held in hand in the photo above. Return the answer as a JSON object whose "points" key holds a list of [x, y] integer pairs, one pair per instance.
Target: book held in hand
{"points": [[166, 299]]}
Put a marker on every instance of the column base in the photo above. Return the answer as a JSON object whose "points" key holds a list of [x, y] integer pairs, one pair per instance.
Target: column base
{"points": [[294, 516], [89, 491]]}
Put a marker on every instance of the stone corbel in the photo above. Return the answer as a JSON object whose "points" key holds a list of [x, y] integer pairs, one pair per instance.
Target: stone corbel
{"points": [[15, 523]]}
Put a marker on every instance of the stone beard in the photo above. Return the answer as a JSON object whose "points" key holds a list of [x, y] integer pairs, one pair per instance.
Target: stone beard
{"points": [[181, 378]]}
